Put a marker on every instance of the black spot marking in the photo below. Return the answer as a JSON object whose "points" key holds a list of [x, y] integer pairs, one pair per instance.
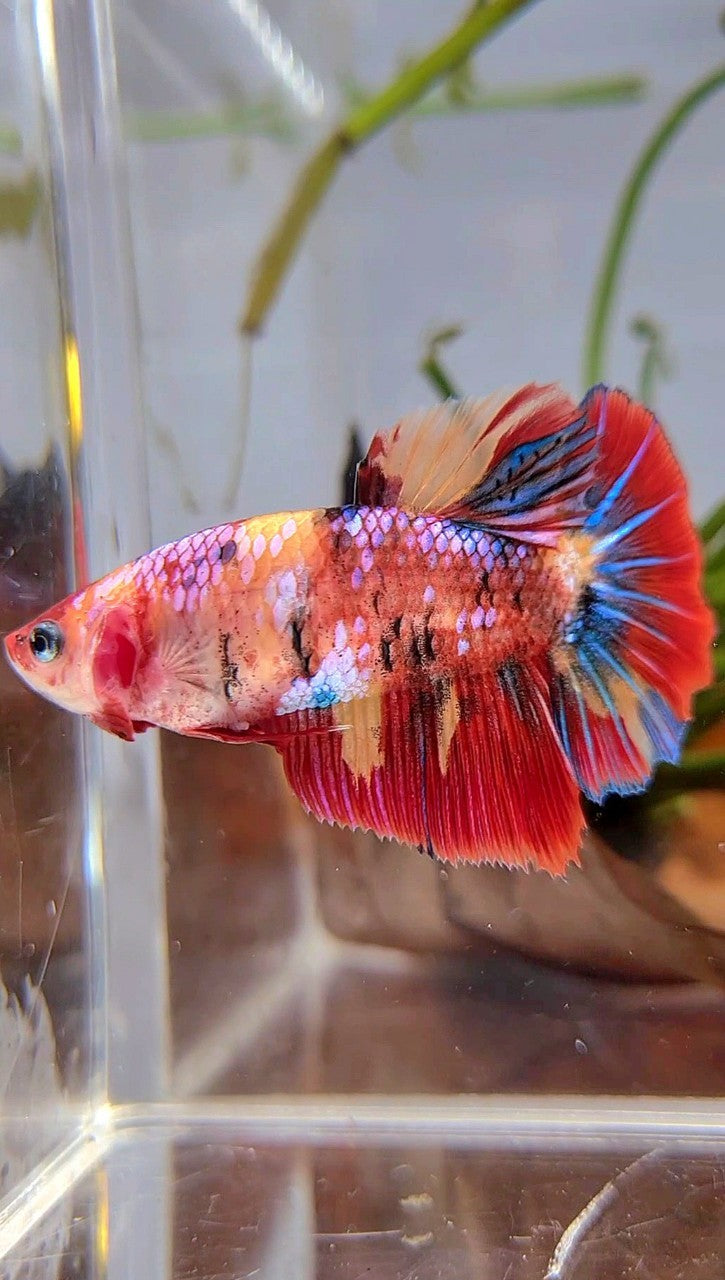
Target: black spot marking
{"points": [[422, 649], [511, 677], [385, 654], [428, 643], [469, 705], [395, 626], [416, 650], [297, 624], [340, 540], [483, 587], [517, 600], [228, 551], [355, 456], [428, 850], [376, 602]]}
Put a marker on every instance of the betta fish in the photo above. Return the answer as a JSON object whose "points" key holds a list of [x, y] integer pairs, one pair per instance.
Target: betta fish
{"points": [[509, 614]]}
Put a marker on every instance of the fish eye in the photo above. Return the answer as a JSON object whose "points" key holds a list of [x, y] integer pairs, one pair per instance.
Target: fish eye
{"points": [[46, 641]]}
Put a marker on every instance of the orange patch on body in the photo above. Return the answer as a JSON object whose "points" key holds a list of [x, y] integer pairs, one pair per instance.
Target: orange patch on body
{"points": [[360, 722]]}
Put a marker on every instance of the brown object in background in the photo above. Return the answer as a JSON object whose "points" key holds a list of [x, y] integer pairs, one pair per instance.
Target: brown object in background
{"points": [[40, 823]]}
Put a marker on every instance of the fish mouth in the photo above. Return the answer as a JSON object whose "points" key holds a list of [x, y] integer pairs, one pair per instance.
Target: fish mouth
{"points": [[16, 648], [13, 641]]}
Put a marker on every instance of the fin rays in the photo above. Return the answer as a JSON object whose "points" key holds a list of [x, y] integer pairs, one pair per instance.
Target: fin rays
{"points": [[639, 648], [497, 788], [432, 462]]}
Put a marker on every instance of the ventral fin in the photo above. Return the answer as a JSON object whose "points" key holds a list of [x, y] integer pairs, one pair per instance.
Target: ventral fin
{"points": [[518, 463], [115, 719], [274, 730], [470, 770]]}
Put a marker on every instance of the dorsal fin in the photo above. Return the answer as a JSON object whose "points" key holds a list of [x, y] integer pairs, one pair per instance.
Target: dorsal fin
{"points": [[517, 462]]}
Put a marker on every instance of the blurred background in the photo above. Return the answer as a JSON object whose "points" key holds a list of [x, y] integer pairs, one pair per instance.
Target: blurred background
{"points": [[491, 220]]}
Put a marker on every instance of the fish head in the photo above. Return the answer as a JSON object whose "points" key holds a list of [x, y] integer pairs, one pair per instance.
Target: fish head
{"points": [[83, 654]]}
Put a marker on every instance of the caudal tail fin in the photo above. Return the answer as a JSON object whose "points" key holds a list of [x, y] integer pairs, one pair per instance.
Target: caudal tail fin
{"points": [[477, 764], [638, 646]]}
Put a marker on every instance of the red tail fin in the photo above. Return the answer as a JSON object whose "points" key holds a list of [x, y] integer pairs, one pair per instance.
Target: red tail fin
{"points": [[638, 647]]}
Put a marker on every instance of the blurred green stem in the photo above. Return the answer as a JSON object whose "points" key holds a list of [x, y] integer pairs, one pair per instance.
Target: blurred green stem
{"points": [[431, 366], [433, 370], [595, 91], [713, 525], [362, 123], [269, 118], [710, 702], [709, 707], [655, 361], [715, 583], [622, 225], [696, 771], [266, 118]]}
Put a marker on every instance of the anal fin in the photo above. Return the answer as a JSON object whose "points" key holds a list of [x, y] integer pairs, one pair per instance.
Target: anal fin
{"points": [[472, 773]]}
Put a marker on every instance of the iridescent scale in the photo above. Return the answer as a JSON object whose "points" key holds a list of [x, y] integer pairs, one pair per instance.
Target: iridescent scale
{"points": [[187, 571], [347, 597]]}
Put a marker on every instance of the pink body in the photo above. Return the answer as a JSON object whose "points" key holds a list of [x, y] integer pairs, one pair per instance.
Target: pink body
{"points": [[237, 624]]}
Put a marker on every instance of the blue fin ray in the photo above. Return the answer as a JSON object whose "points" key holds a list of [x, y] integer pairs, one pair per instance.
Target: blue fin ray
{"points": [[629, 526], [641, 597], [615, 491], [639, 562], [533, 472]]}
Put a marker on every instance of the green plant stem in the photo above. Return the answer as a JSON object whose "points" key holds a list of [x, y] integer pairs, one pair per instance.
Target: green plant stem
{"points": [[265, 118], [575, 93], [268, 118], [479, 23], [713, 524], [280, 248], [709, 707], [433, 370], [715, 585], [431, 365], [648, 374], [361, 124], [655, 362], [696, 771], [623, 222]]}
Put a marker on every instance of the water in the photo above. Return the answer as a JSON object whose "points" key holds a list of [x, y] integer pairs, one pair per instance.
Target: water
{"points": [[232, 1041], [410, 1193]]}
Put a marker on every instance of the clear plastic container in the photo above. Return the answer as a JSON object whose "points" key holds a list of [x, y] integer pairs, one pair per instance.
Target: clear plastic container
{"points": [[235, 1042]]}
